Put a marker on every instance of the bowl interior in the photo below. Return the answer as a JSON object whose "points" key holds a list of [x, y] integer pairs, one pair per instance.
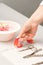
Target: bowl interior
{"points": [[13, 26]]}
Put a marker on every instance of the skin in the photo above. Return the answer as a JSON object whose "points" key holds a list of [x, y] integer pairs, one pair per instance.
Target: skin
{"points": [[30, 27]]}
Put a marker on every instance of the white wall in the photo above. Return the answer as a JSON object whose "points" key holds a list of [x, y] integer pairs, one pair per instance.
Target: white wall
{"points": [[26, 7]]}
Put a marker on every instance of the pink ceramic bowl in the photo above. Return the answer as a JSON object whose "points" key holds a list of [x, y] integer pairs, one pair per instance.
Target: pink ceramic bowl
{"points": [[13, 27]]}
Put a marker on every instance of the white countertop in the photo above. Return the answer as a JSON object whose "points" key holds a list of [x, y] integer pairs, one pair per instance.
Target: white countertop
{"points": [[7, 49]]}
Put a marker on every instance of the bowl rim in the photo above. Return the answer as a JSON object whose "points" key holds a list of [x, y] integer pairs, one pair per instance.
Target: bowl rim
{"points": [[10, 31]]}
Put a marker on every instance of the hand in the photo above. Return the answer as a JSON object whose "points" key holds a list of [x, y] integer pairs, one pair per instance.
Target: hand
{"points": [[28, 30]]}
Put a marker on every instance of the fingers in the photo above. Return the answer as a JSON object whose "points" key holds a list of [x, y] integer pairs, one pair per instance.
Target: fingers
{"points": [[26, 37], [28, 32], [24, 30]]}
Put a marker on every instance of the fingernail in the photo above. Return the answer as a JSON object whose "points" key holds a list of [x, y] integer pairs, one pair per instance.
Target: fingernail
{"points": [[20, 39], [29, 37]]}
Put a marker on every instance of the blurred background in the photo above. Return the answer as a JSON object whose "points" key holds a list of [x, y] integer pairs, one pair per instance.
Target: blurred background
{"points": [[26, 7]]}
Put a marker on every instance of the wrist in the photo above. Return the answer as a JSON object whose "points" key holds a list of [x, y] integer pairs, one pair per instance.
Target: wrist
{"points": [[33, 21]]}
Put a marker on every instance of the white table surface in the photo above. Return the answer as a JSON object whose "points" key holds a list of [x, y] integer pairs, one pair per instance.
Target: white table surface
{"points": [[8, 50]]}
